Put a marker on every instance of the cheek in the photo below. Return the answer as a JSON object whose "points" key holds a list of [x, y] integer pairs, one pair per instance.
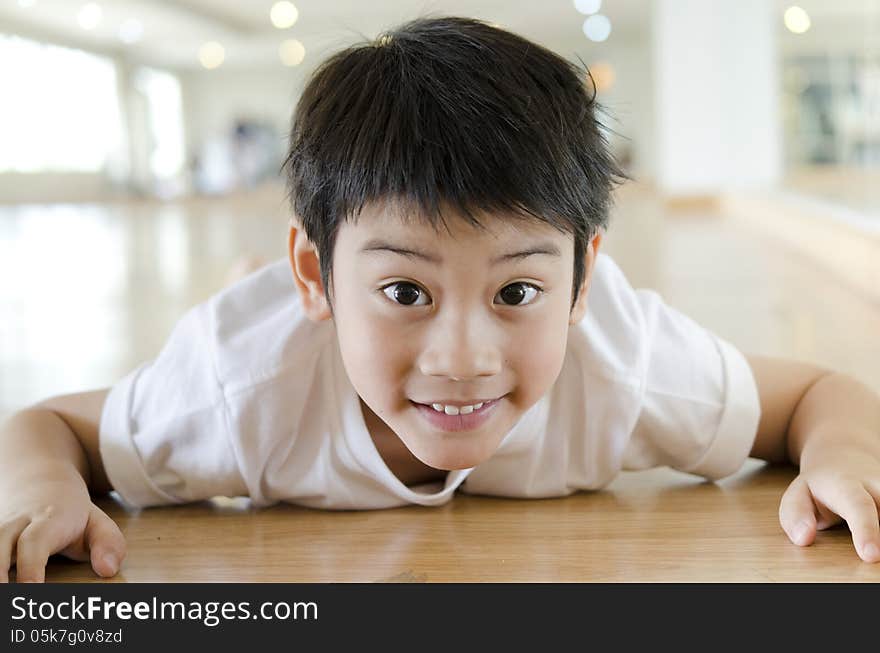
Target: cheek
{"points": [[374, 351], [539, 354]]}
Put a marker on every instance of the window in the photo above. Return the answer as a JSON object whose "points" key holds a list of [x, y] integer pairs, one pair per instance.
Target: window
{"points": [[60, 109], [161, 91]]}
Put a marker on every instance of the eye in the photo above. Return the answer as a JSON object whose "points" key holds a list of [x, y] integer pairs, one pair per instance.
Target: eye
{"points": [[404, 293], [519, 293]]}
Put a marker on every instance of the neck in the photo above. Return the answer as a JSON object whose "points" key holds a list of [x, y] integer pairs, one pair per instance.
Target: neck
{"points": [[400, 460]]}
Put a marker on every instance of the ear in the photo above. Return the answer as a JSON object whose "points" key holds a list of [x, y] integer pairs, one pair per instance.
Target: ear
{"points": [[307, 274], [580, 306]]}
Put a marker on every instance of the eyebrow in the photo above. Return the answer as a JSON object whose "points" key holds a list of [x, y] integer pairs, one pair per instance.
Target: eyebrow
{"points": [[378, 245]]}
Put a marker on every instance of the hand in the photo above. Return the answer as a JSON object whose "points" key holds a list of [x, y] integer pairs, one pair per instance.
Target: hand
{"points": [[39, 517], [839, 480]]}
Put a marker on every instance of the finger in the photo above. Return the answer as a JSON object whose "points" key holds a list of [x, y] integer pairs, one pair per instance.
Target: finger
{"points": [[797, 513], [105, 542], [873, 488], [33, 551], [856, 505], [825, 518], [8, 537]]}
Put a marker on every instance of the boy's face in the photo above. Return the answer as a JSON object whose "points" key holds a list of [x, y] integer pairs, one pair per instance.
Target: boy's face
{"points": [[468, 326]]}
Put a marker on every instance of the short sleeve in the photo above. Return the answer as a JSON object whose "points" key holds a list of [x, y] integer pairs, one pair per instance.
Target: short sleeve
{"points": [[700, 407], [163, 433]]}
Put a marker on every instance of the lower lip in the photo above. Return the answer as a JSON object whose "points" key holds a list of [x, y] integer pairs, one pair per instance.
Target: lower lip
{"points": [[467, 422]]}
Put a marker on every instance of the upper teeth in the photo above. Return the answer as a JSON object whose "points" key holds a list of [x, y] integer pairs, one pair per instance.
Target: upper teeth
{"points": [[456, 410]]}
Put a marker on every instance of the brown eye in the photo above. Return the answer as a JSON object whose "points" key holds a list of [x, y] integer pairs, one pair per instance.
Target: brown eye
{"points": [[519, 294], [404, 293]]}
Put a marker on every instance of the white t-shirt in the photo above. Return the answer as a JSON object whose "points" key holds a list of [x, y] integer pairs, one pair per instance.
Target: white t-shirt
{"points": [[250, 398]]}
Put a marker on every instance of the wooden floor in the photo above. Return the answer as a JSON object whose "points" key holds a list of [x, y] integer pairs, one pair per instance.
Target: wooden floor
{"points": [[655, 526], [90, 291]]}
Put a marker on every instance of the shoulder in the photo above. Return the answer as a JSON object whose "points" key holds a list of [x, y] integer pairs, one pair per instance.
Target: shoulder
{"points": [[259, 329], [609, 340], [611, 293]]}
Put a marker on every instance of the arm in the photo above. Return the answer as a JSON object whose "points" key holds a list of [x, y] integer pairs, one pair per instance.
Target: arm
{"points": [[81, 414], [829, 425], [49, 459]]}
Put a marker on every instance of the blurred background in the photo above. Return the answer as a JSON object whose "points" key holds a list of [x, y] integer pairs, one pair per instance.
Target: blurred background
{"points": [[140, 144]]}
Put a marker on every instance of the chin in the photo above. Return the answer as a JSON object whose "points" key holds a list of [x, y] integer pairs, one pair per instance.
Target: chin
{"points": [[451, 458]]}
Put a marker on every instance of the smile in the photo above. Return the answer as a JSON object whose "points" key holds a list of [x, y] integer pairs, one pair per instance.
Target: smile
{"points": [[447, 420], [451, 409]]}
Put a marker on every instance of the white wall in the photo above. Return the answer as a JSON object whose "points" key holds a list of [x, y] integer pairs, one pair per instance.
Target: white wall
{"points": [[716, 73], [213, 100]]}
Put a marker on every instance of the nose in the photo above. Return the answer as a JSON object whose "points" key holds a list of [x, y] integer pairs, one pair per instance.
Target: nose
{"points": [[462, 348]]}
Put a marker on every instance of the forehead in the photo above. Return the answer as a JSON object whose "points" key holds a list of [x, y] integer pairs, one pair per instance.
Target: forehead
{"points": [[391, 221]]}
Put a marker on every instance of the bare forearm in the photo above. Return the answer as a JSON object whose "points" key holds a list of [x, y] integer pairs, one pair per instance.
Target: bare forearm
{"points": [[39, 439], [836, 406], [45, 497]]}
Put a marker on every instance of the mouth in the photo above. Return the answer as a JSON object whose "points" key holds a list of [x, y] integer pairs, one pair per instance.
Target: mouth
{"points": [[453, 423]]}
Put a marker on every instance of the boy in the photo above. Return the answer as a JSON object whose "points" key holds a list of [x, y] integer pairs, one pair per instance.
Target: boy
{"points": [[450, 189]]}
